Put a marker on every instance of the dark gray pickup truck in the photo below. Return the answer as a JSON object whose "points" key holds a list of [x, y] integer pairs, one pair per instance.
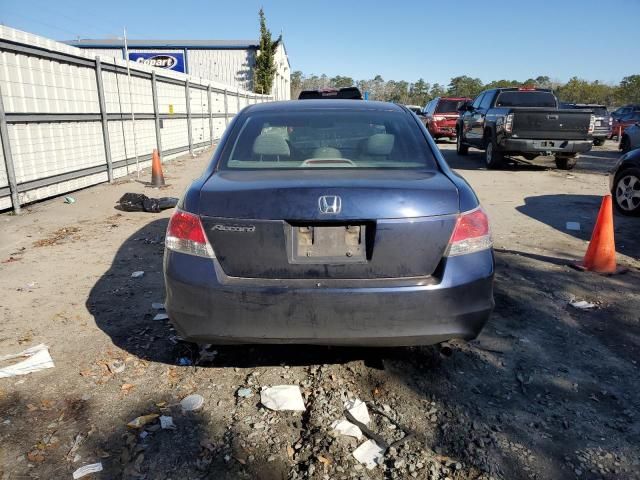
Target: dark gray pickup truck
{"points": [[523, 121]]}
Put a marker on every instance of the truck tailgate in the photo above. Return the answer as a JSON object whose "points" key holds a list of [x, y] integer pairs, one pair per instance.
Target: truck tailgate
{"points": [[548, 124]]}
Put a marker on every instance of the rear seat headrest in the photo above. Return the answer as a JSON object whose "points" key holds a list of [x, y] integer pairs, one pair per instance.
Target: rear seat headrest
{"points": [[271, 144], [380, 144]]}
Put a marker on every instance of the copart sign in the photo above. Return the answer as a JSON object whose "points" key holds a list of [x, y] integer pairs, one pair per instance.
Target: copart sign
{"points": [[170, 61]]}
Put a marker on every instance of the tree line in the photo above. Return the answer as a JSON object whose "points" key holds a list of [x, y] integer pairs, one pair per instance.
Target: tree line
{"points": [[576, 90]]}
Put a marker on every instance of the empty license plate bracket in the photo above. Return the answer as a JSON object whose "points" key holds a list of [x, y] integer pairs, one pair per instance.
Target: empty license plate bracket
{"points": [[327, 244]]}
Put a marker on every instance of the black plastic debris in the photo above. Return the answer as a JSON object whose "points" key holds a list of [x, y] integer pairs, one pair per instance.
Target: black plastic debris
{"points": [[137, 202]]}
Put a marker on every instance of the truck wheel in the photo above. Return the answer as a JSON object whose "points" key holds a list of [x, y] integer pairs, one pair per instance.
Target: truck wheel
{"points": [[566, 163], [597, 142], [530, 156], [461, 148], [625, 144], [493, 157], [626, 191]]}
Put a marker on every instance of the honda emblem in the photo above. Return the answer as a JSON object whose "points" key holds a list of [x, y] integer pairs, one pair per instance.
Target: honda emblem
{"points": [[330, 204]]}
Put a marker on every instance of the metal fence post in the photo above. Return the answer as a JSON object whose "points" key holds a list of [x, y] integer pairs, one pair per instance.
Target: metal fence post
{"points": [[8, 159], [238, 100], [188, 99], [104, 120], [226, 109], [156, 113], [210, 115]]}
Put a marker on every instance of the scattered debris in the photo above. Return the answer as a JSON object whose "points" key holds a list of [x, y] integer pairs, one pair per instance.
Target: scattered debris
{"points": [[282, 397], [86, 470], [161, 316], [157, 306], [184, 362], [206, 355], [127, 387], [37, 358], [74, 447], [245, 392], [166, 422], [369, 453], [192, 402], [137, 202], [137, 274], [69, 200], [142, 420], [575, 226], [345, 427], [116, 366], [358, 409], [582, 305], [58, 237]]}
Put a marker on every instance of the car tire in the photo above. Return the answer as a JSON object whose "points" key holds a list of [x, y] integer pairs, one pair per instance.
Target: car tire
{"points": [[461, 148], [626, 183], [625, 144], [598, 142], [566, 163], [493, 157], [530, 156]]}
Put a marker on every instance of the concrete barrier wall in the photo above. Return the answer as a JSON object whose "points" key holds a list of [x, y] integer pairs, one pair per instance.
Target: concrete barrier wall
{"points": [[70, 119]]}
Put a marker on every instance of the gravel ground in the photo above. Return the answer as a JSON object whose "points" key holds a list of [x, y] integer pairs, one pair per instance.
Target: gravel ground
{"points": [[547, 391]]}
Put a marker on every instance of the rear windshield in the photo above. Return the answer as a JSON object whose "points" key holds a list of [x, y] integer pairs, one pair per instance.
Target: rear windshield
{"points": [[326, 138], [448, 106], [526, 99]]}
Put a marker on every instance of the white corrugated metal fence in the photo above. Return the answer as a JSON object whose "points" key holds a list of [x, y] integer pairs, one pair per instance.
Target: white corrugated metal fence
{"points": [[66, 116]]}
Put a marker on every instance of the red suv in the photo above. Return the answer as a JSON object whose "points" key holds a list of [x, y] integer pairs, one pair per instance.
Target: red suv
{"points": [[440, 115]]}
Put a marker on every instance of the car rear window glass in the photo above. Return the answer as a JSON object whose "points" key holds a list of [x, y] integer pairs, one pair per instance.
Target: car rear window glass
{"points": [[448, 106], [526, 99], [327, 138]]}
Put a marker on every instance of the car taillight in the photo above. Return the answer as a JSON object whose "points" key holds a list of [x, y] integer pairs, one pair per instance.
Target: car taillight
{"points": [[185, 234], [592, 123], [610, 121], [508, 123], [471, 233]]}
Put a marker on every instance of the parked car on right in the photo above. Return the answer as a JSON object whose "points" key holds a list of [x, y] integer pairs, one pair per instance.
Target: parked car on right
{"points": [[603, 121], [621, 123], [624, 110], [630, 138], [624, 183]]}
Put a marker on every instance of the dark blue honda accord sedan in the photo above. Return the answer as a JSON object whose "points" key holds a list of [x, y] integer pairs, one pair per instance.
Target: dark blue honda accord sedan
{"points": [[328, 222]]}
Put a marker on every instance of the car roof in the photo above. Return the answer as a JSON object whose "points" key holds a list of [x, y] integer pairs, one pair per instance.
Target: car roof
{"points": [[523, 89], [300, 105]]}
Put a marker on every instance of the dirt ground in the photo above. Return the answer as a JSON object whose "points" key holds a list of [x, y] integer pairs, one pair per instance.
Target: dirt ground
{"points": [[547, 391]]}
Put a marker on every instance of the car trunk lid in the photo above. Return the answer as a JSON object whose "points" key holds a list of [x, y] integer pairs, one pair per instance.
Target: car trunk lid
{"points": [[269, 224]]}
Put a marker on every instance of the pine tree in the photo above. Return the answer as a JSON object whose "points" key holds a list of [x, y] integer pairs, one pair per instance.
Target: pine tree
{"points": [[265, 68]]}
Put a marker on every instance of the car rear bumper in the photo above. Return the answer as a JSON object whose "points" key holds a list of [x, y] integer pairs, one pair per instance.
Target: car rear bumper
{"points": [[206, 306], [443, 130], [536, 146]]}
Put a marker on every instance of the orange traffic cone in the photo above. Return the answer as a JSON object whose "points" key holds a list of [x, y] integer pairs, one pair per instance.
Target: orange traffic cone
{"points": [[601, 254], [157, 178]]}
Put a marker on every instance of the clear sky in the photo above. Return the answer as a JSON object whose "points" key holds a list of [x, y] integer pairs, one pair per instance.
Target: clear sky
{"points": [[400, 40]]}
